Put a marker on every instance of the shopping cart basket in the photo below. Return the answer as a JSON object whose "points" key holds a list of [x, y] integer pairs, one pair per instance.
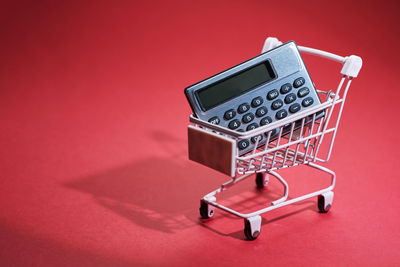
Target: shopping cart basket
{"points": [[297, 143]]}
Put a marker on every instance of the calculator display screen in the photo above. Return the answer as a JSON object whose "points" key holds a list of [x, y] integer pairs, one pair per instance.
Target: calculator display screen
{"points": [[235, 85]]}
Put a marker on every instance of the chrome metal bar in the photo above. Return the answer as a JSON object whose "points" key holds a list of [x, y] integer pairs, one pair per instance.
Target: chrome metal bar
{"points": [[285, 185], [321, 53], [277, 145], [290, 139], [283, 146], [309, 140], [338, 118]]}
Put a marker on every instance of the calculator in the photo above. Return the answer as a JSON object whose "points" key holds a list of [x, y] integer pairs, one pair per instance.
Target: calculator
{"points": [[254, 93]]}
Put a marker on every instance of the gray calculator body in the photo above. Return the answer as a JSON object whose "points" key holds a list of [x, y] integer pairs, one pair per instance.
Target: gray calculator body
{"points": [[266, 88]]}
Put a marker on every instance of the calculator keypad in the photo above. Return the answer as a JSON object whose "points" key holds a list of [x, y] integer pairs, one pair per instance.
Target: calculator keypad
{"points": [[276, 104]]}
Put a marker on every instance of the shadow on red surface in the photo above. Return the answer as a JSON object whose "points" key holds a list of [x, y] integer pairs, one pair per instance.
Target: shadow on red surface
{"points": [[162, 193], [153, 192], [24, 249]]}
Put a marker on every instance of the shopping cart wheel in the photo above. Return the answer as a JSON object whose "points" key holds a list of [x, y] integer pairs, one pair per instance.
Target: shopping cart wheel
{"points": [[252, 227], [206, 210], [325, 202], [262, 179]]}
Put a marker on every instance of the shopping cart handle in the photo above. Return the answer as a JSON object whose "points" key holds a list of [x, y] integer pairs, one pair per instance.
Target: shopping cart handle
{"points": [[351, 64], [270, 43]]}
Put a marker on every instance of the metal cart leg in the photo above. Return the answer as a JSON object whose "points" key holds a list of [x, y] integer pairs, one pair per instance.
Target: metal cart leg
{"points": [[262, 179], [325, 199], [283, 182]]}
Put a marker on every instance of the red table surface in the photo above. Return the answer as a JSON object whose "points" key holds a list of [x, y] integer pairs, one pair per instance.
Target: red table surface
{"points": [[93, 146]]}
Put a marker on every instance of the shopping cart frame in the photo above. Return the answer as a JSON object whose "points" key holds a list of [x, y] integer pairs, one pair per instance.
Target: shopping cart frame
{"points": [[297, 143]]}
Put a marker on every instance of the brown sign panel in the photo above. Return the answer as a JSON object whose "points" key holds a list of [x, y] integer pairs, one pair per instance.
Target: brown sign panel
{"points": [[212, 150]]}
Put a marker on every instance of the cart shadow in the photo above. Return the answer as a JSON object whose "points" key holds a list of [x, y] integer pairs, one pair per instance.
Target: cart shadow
{"points": [[162, 193], [157, 192], [22, 247]]}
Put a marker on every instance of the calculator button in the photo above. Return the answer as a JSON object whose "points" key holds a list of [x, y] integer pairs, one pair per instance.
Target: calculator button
{"points": [[294, 108], [234, 124], [286, 128], [265, 121], [254, 138], [248, 117], [229, 114], [281, 114], [242, 144], [243, 108], [303, 92], [252, 126], [290, 98], [214, 120], [307, 101], [261, 111], [286, 88], [273, 132], [257, 101], [277, 104], [272, 94], [299, 82]]}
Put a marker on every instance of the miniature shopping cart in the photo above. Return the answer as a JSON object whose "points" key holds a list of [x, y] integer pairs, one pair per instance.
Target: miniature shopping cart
{"points": [[298, 142]]}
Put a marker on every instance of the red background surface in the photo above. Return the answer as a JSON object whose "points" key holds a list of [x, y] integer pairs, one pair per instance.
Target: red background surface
{"points": [[93, 153]]}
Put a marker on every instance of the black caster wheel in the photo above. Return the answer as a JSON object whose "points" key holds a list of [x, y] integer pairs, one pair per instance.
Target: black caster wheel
{"points": [[206, 211], [261, 180], [325, 202], [250, 233]]}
